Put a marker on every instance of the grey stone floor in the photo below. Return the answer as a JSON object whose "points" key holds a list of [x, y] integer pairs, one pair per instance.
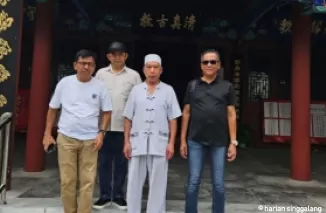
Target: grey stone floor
{"points": [[257, 177]]}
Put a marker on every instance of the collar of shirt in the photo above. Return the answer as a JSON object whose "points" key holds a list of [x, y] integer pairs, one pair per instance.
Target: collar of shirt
{"points": [[158, 86], [116, 73], [216, 80]]}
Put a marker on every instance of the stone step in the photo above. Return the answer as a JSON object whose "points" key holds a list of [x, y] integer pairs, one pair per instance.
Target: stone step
{"points": [[53, 205]]}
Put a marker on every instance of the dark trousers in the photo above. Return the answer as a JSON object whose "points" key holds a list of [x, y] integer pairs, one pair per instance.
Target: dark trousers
{"points": [[196, 158], [112, 166]]}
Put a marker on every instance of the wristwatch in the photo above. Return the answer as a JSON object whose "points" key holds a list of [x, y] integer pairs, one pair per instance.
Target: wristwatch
{"points": [[234, 142], [102, 131]]}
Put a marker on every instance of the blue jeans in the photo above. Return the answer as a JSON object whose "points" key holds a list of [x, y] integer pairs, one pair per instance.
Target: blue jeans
{"points": [[196, 158], [112, 152]]}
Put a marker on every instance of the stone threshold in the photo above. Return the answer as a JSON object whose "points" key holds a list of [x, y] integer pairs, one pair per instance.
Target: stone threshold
{"points": [[53, 205]]}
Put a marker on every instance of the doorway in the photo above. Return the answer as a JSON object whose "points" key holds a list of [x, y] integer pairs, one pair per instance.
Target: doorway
{"points": [[179, 60]]}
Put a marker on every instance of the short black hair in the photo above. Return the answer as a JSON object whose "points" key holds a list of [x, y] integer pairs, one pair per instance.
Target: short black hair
{"points": [[84, 53], [210, 51]]}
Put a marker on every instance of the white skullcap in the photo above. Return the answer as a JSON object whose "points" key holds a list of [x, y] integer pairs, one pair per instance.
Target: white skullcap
{"points": [[153, 58]]}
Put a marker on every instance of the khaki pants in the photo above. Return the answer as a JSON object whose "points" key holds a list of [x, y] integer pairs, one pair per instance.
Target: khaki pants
{"points": [[77, 163]]}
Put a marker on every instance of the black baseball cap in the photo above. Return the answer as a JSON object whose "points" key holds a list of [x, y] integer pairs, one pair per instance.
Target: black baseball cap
{"points": [[117, 47]]}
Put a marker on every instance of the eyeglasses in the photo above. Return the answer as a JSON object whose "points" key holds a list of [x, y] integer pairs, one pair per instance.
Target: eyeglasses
{"points": [[212, 62], [84, 63]]}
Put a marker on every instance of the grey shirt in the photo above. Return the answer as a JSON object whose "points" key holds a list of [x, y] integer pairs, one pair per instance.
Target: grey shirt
{"points": [[119, 86], [150, 115]]}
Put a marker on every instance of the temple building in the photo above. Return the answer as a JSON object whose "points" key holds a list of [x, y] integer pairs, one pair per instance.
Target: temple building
{"points": [[273, 53]]}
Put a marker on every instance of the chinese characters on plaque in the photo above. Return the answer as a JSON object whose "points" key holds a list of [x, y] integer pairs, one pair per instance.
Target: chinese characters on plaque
{"points": [[163, 21], [277, 119], [285, 27], [236, 84]]}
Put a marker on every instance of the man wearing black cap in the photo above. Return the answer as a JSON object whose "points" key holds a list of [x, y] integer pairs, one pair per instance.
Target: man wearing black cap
{"points": [[119, 79]]}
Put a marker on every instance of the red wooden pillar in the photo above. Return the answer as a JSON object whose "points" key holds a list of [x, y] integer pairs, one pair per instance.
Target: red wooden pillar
{"points": [[300, 144], [40, 86]]}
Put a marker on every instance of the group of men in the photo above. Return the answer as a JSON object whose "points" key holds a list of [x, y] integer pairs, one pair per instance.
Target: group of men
{"points": [[119, 125]]}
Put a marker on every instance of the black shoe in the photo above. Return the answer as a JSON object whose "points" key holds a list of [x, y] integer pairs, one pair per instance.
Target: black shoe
{"points": [[101, 203], [120, 203]]}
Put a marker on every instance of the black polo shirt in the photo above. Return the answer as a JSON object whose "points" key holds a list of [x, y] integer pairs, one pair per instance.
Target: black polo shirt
{"points": [[208, 111]]}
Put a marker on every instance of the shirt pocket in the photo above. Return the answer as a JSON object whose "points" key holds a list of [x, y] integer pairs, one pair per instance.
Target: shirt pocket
{"points": [[138, 144], [163, 134], [126, 87], [133, 140], [93, 99], [163, 140]]}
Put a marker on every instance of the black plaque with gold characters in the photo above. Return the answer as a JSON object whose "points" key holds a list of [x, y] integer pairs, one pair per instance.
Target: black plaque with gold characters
{"points": [[172, 23], [11, 12], [237, 65]]}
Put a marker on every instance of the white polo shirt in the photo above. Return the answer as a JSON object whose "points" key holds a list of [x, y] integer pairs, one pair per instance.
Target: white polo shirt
{"points": [[119, 85], [81, 104]]}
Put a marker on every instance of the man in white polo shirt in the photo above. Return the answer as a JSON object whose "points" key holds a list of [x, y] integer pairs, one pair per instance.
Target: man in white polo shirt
{"points": [[82, 100], [119, 79]]}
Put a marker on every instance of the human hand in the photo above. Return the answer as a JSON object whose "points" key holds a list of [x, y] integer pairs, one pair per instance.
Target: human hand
{"points": [[98, 142], [169, 151], [232, 152], [183, 149], [47, 141], [127, 150]]}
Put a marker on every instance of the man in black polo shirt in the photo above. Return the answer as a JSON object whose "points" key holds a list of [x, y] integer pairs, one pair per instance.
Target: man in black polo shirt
{"points": [[210, 109]]}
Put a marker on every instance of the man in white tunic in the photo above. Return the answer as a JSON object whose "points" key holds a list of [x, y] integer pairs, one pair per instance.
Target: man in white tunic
{"points": [[151, 116]]}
